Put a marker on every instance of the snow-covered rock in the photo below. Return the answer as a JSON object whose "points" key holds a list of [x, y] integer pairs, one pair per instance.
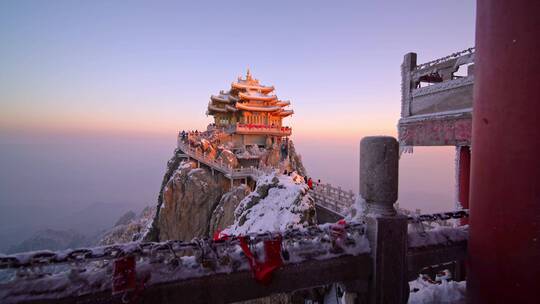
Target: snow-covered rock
{"points": [[130, 227], [228, 158], [278, 203], [357, 211], [423, 292]]}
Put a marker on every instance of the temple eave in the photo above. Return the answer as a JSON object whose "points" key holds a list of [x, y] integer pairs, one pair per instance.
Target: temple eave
{"points": [[245, 96], [256, 87], [285, 114], [257, 108], [221, 98]]}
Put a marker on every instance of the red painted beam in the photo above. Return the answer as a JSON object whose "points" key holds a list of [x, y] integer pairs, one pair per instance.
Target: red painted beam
{"points": [[504, 242]]}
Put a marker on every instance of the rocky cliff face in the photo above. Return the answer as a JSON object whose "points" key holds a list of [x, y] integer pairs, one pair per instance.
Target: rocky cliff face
{"points": [[193, 202], [223, 215], [190, 197], [295, 160]]}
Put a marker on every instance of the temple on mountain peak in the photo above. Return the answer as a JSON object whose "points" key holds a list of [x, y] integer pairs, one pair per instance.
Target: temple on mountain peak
{"points": [[250, 112]]}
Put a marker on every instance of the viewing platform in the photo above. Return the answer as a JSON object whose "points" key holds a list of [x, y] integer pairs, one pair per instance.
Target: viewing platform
{"points": [[437, 100]]}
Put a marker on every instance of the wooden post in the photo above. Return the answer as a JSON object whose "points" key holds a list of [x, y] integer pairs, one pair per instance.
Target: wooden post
{"points": [[386, 230]]}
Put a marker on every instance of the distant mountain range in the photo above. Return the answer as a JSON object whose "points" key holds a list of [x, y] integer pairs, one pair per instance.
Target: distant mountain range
{"points": [[52, 239], [56, 228]]}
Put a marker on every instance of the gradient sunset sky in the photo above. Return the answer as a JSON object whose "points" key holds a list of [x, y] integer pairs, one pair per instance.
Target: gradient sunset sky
{"points": [[150, 66]]}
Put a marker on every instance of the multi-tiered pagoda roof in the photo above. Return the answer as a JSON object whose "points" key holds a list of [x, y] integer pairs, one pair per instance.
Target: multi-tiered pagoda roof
{"points": [[248, 102]]}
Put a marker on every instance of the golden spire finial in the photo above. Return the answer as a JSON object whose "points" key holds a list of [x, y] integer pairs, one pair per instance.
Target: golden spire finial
{"points": [[248, 74]]}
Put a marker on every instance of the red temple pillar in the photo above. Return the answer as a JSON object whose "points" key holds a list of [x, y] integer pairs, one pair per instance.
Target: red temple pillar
{"points": [[464, 173], [504, 241]]}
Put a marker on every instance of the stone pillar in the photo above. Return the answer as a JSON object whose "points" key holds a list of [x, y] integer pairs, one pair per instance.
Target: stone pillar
{"points": [[409, 64], [379, 165], [504, 238], [386, 230]]}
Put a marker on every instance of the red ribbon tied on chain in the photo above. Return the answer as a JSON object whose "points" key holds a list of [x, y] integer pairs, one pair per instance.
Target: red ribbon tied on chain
{"points": [[262, 271], [219, 235]]}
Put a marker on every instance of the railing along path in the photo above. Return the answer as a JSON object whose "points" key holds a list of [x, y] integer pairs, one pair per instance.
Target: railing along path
{"points": [[326, 251], [332, 198], [229, 171]]}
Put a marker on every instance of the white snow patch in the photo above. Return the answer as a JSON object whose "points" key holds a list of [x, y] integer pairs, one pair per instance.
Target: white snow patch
{"points": [[357, 211], [446, 293], [281, 209], [438, 235]]}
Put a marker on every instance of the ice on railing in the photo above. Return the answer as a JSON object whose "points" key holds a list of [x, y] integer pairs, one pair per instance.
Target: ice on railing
{"points": [[173, 261], [442, 235], [445, 58]]}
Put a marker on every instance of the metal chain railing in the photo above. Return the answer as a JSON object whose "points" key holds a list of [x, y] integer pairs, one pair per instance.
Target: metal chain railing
{"points": [[443, 216], [175, 248]]}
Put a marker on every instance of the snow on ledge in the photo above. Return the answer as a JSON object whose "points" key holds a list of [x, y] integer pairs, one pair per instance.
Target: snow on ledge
{"points": [[438, 236]]}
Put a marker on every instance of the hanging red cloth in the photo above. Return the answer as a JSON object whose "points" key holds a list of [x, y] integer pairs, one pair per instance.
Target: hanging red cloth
{"points": [[338, 229], [262, 271], [124, 276]]}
